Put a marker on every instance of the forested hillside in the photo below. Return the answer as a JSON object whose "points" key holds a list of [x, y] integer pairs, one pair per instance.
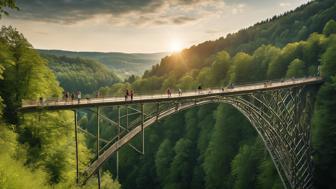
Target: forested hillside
{"points": [[123, 64], [277, 31], [209, 147], [78, 74], [215, 146], [36, 150]]}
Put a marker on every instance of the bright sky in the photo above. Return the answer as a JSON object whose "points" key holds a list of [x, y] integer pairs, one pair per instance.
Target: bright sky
{"points": [[142, 26]]}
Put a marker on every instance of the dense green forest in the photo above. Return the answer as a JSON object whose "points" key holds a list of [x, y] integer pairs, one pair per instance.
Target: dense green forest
{"points": [[37, 150], [214, 146], [210, 147], [78, 74], [278, 31], [123, 64]]}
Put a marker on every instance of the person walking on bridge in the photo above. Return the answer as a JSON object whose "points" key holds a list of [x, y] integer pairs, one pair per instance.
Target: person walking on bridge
{"points": [[199, 89], [72, 97], [126, 94], [179, 92], [132, 93], [169, 92], [318, 70], [66, 96], [79, 96]]}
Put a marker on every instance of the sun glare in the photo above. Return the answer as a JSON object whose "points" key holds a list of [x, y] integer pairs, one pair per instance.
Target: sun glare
{"points": [[175, 46]]}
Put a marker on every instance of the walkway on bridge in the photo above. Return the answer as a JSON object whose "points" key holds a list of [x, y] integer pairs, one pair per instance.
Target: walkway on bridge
{"points": [[280, 111], [110, 101]]}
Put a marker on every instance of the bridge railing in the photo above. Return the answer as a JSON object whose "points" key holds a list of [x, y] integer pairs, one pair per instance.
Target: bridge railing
{"points": [[148, 95]]}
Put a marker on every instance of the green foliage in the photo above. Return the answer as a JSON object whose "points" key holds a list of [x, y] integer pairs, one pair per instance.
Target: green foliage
{"points": [[223, 146], [179, 174], [13, 173], [296, 69], [330, 28], [244, 167], [324, 134], [268, 177], [26, 74], [7, 4], [163, 158], [279, 30], [241, 68], [223, 151], [192, 149], [328, 59], [78, 74], [38, 151], [108, 183], [123, 64]]}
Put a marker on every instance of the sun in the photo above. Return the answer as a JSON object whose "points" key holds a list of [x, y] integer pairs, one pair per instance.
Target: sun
{"points": [[175, 46]]}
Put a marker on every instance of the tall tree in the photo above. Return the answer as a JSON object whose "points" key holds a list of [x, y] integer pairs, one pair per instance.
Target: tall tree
{"points": [[6, 4]]}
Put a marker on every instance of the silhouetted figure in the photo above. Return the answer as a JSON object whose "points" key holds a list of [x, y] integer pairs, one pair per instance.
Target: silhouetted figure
{"points": [[72, 97], [199, 89], [66, 96], [179, 92], [169, 92], [79, 96], [209, 91], [231, 86], [126, 94], [97, 94], [132, 93], [41, 101]]}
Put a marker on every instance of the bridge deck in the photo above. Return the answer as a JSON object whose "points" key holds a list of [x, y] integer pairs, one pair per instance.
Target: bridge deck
{"points": [[110, 101]]}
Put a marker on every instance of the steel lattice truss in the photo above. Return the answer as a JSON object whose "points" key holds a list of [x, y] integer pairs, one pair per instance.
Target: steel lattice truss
{"points": [[280, 116], [282, 119]]}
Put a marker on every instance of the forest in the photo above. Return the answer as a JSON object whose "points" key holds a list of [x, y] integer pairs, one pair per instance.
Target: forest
{"points": [[79, 74], [210, 147], [37, 151], [123, 64]]}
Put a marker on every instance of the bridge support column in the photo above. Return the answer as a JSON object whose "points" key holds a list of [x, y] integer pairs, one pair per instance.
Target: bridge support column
{"points": [[126, 117], [98, 145], [117, 159], [142, 129], [76, 143], [157, 111]]}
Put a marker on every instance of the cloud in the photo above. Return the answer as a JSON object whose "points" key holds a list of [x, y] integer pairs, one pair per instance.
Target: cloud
{"points": [[129, 12], [285, 4], [118, 11], [183, 19]]}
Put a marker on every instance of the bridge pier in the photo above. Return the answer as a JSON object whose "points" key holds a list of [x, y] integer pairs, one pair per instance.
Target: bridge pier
{"points": [[98, 146], [142, 128], [117, 155], [76, 146]]}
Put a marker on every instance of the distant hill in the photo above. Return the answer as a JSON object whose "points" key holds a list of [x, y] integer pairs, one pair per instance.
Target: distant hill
{"points": [[81, 74], [123, 64]]}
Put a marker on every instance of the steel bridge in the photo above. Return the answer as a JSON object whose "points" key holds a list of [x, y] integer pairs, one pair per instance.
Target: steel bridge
{"points": [[280, 111]]}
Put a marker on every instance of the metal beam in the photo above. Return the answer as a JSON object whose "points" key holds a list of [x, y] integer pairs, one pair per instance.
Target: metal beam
{"points": [[98, 145], [76, 143]]}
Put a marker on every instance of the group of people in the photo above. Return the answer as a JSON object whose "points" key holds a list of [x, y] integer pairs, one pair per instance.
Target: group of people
{"points": [[169, 92], [72, 96], [129, 94]]}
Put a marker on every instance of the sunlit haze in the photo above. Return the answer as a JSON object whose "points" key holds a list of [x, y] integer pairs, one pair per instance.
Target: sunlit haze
{"points": [[137, 26], [175, 45]]}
